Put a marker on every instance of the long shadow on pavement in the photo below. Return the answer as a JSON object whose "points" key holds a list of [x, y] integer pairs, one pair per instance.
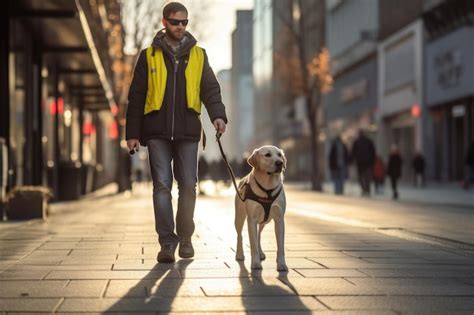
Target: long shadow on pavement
{"points": [[256, 293], [154, 293]]}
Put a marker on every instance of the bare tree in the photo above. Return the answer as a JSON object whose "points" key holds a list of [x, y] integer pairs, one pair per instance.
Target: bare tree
{"points": [[303, 65]]}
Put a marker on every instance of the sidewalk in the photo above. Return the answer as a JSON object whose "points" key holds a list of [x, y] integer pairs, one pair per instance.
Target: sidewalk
{"points": [[434, 193], [99, 255]]}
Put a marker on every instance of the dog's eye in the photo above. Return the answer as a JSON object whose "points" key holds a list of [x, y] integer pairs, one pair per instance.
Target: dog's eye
{"points": [[279, 154], [268, 155]]}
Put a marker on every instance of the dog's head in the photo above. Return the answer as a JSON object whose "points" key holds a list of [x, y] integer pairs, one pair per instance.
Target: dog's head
{"points": [[268, 159]]}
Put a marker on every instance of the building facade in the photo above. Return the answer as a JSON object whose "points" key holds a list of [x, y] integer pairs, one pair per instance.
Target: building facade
{"points": [[449, 88], [58, 94], [242, 127]]}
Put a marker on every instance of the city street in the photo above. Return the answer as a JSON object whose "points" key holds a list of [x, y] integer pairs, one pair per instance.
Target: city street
{"points": [[346, 255]]}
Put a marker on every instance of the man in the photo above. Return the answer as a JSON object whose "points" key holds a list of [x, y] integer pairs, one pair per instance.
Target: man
{"points": [[338, 161], [394, 169], [363, 152], [419, 169], [170, 80]]}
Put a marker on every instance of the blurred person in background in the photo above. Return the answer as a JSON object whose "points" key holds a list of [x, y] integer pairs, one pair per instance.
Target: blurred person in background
{"points": [[338, 163], [394, 169], [171, 80], [363, 154], [470, 164], [419, 169], [379, 175]]}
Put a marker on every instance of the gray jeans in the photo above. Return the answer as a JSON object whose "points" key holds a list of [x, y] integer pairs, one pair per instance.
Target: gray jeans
{"points": [[183, 154]]}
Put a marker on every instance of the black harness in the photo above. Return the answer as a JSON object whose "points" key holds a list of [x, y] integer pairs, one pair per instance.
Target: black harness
{"points": [[265, 202]]}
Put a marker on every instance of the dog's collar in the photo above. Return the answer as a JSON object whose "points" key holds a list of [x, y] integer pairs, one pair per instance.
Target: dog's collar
{"points": [[267, 202]]}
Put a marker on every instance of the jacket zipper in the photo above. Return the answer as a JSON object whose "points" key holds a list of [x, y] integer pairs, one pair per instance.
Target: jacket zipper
{"points": [[176, 63]]}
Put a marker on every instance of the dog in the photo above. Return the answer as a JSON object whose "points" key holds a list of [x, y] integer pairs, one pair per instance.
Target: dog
{"points": [[264, 200]]}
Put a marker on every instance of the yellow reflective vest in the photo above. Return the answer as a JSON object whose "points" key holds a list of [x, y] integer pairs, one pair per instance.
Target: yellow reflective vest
{"points": [[157, 75]]}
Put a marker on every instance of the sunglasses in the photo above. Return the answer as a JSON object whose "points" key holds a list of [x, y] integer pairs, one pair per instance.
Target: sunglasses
{"points": [[175, 22]]}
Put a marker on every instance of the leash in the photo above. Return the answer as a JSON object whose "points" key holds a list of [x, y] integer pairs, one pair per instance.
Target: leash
{"points": [[229, 168]]}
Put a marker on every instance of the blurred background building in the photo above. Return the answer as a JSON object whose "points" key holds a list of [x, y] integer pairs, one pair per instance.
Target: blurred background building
{"points": [[401, 70], [61, 83]]}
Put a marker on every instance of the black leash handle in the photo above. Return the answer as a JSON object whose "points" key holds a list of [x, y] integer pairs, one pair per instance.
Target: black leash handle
{"points": [[229, 168]]}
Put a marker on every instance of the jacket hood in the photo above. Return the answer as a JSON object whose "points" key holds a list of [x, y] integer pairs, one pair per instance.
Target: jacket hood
{"points": [[159, 41]]}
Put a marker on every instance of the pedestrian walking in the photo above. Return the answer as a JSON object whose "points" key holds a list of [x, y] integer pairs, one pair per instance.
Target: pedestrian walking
{"points": [[338, 163], [170, 80], [418, 164], [379, 175], [394, 169], [470, 164], [363, 153]]}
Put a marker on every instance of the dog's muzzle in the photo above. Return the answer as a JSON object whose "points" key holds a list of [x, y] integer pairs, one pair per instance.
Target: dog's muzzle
{"points": [[278, 166]]}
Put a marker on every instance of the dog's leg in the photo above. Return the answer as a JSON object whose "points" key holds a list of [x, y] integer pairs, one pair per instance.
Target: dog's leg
{"points": [[253, 237], [260, 250], [240, 216], [280, 238]]}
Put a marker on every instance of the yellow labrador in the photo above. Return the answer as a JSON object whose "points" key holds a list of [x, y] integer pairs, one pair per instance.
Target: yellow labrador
{"points": [[264, 200]]}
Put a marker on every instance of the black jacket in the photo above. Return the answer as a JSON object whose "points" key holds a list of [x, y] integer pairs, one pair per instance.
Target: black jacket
{"points": [[394, 166], [174, 120], [363, 152], [333, 155]]}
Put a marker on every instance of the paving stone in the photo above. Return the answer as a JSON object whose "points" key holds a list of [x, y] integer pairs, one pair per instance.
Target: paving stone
{"points": [[27, 304], [327, 286], [424, 304], [23, 275], [49, 253], [52, 288], [378, 254], [233, 273], [149, 265], [418, 273], [393, 260], [351, 312], [329, 273], [245, 287], [193, 304], [59, 274], [61, 267], [85, 261]]}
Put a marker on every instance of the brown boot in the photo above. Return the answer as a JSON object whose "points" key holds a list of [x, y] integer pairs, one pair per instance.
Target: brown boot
{"points": [[166, 254], [186, 249]]}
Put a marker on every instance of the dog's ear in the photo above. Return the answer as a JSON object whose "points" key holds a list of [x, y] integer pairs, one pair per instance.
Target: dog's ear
{"points": [[284, 158], [252, 160]]}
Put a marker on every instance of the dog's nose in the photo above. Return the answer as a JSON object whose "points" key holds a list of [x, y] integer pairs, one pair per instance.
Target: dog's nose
{"points": [[279, 163]]}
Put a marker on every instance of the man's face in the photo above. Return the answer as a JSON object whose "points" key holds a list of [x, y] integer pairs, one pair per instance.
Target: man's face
{"points": [[176, 31]]}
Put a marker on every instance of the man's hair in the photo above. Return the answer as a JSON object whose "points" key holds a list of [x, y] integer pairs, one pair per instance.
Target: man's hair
{"points": [[172, 8]]}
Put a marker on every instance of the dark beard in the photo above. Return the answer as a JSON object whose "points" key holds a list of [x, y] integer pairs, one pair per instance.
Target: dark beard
{"points": [[171, 35]]}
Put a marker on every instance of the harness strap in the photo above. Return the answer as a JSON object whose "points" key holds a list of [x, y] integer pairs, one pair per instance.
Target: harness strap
{"points": [[266, 203]]}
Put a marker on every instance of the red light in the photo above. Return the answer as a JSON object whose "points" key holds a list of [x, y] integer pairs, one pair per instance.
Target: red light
{"points": [[416, 110], [114, 109], [113, 130], [52, 106], [87, 128]]}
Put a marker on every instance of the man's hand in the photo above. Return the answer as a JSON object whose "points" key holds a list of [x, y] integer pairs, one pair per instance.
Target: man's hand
{"points": [[132, 144], [219, 124]]}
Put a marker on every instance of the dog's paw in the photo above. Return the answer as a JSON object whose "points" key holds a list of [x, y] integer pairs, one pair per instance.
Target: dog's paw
{"points": [[239, 257], [256, 266], [262, 256], [281, 264]]}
